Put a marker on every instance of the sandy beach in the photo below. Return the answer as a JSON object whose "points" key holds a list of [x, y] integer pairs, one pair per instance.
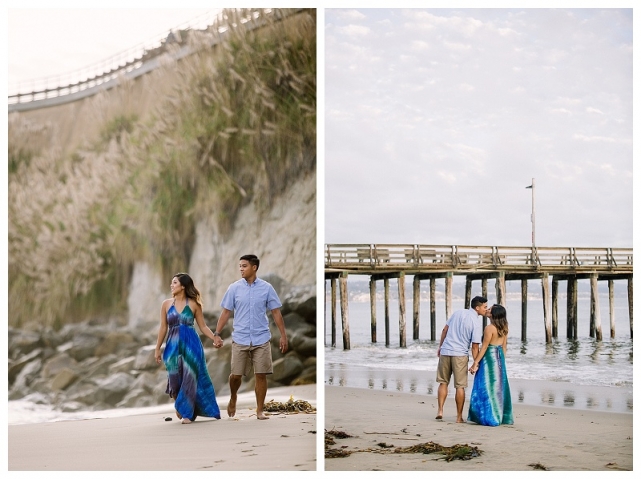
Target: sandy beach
{"points": [[147, 442], [557, 438]]}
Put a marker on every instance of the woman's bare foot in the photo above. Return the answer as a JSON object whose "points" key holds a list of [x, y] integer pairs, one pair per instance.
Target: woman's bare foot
{"points": [[178, 414], [186, 421]]}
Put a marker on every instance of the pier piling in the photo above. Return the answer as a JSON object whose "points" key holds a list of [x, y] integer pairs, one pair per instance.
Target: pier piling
{"points": [[401, 310], [611, 304], [433, 309], [372, 306], [630, 302], [555, 307], [386, 288], [545, 291], [416, 302], [524, 309], [595, 313], [342, 280]]}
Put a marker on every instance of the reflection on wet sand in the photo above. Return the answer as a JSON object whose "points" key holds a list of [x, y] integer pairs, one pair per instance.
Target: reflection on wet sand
{"points": [[526, 392], [547, 397], [568, 399]]}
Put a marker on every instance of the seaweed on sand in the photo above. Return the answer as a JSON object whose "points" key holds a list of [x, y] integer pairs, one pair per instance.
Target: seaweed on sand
{"points": [[290, 407], [463, 452], [329, 441]]}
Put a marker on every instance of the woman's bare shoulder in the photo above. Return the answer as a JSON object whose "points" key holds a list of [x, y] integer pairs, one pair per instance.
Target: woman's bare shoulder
{"points": [[196, 308], [490, 328]]}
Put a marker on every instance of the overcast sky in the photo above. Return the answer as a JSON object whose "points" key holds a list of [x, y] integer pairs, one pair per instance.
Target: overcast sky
{"points": [[51, 42], [436, 121]]}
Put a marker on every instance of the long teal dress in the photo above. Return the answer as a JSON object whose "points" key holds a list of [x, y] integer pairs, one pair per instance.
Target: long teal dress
{"points": [[188, 380], [490, 401]]}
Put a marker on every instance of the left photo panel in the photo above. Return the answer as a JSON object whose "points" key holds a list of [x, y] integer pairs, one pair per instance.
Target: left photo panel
{"points": [[162, 252]]}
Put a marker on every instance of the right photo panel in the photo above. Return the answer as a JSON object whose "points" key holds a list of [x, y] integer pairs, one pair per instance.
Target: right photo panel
{"points": [[478, 250]]}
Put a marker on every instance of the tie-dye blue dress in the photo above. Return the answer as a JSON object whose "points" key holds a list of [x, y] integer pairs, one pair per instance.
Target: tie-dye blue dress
{"points": [[490, 401], [184, 357]]}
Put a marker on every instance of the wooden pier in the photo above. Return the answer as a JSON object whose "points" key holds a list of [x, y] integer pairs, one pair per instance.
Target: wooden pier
{"points": [[477, 263]]}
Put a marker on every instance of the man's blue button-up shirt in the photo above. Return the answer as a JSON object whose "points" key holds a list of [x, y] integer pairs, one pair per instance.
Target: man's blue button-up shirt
{"points": [[250, 303], [464, 327]]}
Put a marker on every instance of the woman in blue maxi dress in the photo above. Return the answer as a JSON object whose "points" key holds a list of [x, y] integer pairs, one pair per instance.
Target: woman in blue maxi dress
{"points": [[490, 400], [188, 381]]}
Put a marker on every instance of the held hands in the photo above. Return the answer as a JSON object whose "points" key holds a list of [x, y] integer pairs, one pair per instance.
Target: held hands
{"points": [[474, 368], [218, 342]]}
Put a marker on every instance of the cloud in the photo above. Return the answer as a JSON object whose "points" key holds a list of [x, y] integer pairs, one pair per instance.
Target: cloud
{"points": [[419, 45], [349, 14], [457, 46], [593, 110], [594, 138], [354, 30]]}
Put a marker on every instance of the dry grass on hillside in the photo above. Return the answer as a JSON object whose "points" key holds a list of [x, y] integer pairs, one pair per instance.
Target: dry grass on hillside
{"points": [[239, 127]]}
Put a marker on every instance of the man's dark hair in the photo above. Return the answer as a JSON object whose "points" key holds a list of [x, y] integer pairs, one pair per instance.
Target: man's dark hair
{"points": [[477, 301], [252, 259]]}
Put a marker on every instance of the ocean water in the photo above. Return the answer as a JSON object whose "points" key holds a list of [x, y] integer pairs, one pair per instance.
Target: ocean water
{"points": [[583, 373], [24, 411]]}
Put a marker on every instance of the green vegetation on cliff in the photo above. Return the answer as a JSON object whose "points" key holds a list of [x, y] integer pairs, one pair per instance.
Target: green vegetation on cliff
{"points": [[238, 127]]}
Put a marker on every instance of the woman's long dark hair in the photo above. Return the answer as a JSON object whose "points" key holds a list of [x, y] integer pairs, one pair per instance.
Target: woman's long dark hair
{"points": [[499, 319], [190, 289]]}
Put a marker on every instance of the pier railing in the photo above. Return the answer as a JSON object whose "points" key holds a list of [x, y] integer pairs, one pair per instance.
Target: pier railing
{"points": [[419, 257]]}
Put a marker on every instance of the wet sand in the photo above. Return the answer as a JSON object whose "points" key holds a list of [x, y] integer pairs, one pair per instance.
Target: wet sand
{"points": [[525, 391]]}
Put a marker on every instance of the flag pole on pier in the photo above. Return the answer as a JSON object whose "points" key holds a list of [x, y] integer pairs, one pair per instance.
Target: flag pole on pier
{"points": [[533, 217]]}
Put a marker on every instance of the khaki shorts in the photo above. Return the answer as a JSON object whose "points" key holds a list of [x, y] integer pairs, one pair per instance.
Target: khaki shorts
{"points": [[453, 364], [243, 357]]}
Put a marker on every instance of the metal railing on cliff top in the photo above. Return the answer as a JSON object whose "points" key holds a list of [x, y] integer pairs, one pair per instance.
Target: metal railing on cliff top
{"points": [[131, 63]]}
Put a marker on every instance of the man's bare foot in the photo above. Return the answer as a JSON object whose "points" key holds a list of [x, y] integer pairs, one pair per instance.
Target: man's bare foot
{"points": [[261, 416], [460, 420], [439, 416], [186, 421], [231, 406]]}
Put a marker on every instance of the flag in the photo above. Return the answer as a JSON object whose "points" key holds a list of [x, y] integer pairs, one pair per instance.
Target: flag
{"points": [[528, 187]]}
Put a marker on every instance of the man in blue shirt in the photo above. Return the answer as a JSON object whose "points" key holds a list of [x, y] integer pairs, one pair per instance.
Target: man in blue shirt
{"points": [[250, 298], [463, 327]]}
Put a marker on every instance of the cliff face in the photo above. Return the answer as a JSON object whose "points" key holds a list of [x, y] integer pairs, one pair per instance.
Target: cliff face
{"points": [[185, 168], [284, 239]]}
